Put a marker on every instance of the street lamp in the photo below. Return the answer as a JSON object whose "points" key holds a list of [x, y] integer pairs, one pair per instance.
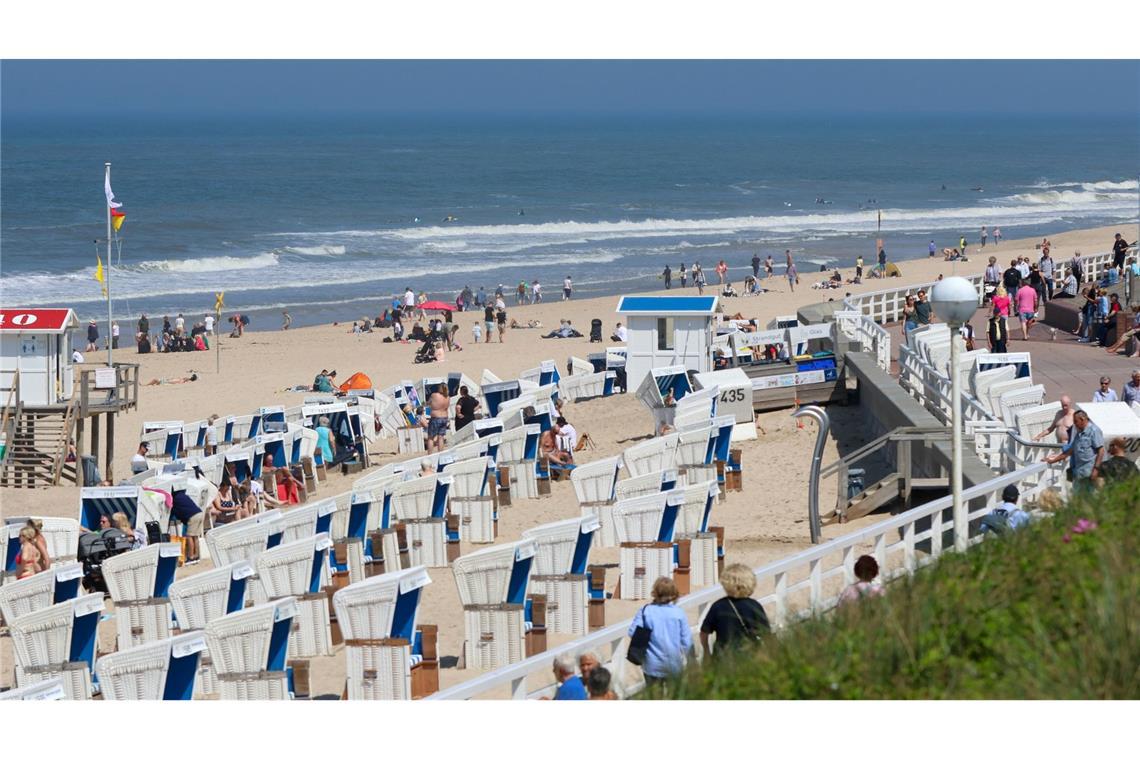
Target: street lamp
{"points": [[955, 300]]}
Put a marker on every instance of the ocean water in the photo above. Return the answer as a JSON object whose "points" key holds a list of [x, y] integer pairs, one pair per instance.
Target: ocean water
{"points": [[330, 217]]}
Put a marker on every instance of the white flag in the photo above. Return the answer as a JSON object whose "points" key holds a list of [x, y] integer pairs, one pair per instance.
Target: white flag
{"points": [[110, 195]]}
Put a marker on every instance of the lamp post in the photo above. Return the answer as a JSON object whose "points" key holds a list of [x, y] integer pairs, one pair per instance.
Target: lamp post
{"points": [[955, 300]]}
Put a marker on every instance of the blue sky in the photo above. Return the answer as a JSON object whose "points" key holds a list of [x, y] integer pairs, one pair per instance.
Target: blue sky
{"points": [[172, 88]]}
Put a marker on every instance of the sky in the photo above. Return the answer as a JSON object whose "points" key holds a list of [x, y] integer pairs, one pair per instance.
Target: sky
{"points": [[31, 88]]}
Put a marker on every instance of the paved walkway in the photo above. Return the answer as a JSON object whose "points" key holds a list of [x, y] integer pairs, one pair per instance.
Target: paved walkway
{"points": [[1060, 363]]}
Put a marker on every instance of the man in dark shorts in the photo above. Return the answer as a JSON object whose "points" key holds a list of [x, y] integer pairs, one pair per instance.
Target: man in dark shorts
{"points": [[439, 410], [465, 408]]}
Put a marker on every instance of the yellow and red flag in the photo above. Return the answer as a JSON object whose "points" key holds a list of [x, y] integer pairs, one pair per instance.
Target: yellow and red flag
{"points": [[117, 218]]}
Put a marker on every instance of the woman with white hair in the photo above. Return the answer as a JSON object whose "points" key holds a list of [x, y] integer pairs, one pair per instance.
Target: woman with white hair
{"points": [[735, 618], [325, 442], [570, 685]]}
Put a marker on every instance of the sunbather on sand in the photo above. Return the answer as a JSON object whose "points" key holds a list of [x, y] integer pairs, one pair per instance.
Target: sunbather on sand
{"points": [[173, 380]]}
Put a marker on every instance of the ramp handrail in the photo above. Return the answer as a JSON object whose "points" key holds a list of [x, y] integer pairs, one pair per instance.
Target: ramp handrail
{"points": [[800, 574]]}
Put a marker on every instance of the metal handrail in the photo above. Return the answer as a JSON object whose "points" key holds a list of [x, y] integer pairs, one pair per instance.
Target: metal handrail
{"points": [[869, 448], [613, 636]]}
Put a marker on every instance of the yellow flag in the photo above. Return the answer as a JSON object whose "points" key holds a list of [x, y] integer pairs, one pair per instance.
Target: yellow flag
{"points": [[219, 301], [99, 274]]}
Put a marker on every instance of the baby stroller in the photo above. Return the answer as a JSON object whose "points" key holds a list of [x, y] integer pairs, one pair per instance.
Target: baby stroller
{"points": [[595, 331], [426, 353], [96, 547]]}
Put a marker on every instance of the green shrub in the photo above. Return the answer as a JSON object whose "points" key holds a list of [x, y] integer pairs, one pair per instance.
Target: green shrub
{"points": [[1032, 615]]}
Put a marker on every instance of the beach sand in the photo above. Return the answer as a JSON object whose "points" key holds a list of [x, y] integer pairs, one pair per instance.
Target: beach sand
{"points": [[765, 521]]}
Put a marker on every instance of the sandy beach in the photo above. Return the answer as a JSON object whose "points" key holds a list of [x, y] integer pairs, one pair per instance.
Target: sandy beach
{"points": [[765, 521]]}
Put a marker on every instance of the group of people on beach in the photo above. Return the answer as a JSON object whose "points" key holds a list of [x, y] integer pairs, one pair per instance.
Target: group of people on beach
{"points": [[173, 335]]}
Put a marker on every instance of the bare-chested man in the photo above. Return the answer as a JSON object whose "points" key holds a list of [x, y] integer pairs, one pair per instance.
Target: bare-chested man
{"points": [[440, 407], [549, 445], [1062, 423]]}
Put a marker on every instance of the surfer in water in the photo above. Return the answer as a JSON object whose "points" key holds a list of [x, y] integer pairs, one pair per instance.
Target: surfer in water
{"points": [[450, 218]]}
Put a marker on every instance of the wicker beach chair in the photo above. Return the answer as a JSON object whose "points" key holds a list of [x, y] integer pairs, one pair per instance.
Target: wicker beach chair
{"points": [[387, 656], [250, 649], [1012, 402], [559, 573], [204, 597], [420, 505], [996, 390], [299, 570], [492, 586], [472, 499], [650, 456], [645, 526], [58, 641], [59, 583], [166, 670], [595, 486], [980, 382], [60, 533], [139, 583]]}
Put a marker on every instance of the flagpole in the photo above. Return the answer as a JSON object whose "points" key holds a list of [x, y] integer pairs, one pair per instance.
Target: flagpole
{"points": [[107, 276]]}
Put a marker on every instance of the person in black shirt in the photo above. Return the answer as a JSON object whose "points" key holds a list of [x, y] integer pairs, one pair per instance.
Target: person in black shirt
{"points": [[998, 334], [736, 618], [488, 322], [1119, 251], [923, 311], [1011, 278], [465, 408]]}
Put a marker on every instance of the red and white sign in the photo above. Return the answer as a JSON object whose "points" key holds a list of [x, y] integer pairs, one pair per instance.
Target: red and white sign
{"points": [[37, 320]]}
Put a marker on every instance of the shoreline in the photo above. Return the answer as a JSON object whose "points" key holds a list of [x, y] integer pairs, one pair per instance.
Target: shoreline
{"points": [[307, 314]]}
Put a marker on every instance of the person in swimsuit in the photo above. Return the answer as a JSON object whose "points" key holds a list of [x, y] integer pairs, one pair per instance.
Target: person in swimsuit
{"points": [[173, 380], [439, 414], [549, 445], [30, 559], [224, 508], [41, 542]]}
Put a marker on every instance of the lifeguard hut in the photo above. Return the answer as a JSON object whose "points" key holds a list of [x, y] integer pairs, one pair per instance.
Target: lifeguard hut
{"points": [[48, 399], [667, 330]]}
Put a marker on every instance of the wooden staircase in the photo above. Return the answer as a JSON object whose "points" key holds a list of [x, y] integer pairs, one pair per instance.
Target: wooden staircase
{"points": [[896, 486], [37, 446]]}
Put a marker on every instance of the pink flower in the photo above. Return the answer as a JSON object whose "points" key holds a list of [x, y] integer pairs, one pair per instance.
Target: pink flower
{"points": [[1084, 526], [1067, 538]]}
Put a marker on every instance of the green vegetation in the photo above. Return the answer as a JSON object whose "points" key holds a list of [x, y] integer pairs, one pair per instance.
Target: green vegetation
{"points": [[1033, 615]]}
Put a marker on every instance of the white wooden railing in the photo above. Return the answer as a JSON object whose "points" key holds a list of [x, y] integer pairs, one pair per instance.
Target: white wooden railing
{"points": [[800, 586], [873, 338]]}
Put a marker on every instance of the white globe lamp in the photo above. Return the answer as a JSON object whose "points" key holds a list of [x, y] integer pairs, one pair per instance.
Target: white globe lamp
{"points": [[955, 300]]}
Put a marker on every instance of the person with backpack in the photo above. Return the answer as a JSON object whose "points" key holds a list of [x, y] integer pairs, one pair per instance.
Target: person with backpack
{"points": [[1007, 516], [736, 618]]}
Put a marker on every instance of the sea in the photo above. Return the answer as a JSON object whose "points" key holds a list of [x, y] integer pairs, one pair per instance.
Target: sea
{"points": [[329, 217]]}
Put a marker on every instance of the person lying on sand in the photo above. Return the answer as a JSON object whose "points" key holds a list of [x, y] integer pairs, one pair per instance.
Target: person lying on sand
{"points": [[530, 324], [173, 380]]}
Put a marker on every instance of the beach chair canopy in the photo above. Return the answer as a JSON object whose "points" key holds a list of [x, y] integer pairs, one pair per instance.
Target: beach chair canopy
{"points": [[201, 598], [253, 639], [563, 547], [495, 575], [164, 669], [142, 574], [97, 502], [59, 583], [648, 518], [383, 606]]}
